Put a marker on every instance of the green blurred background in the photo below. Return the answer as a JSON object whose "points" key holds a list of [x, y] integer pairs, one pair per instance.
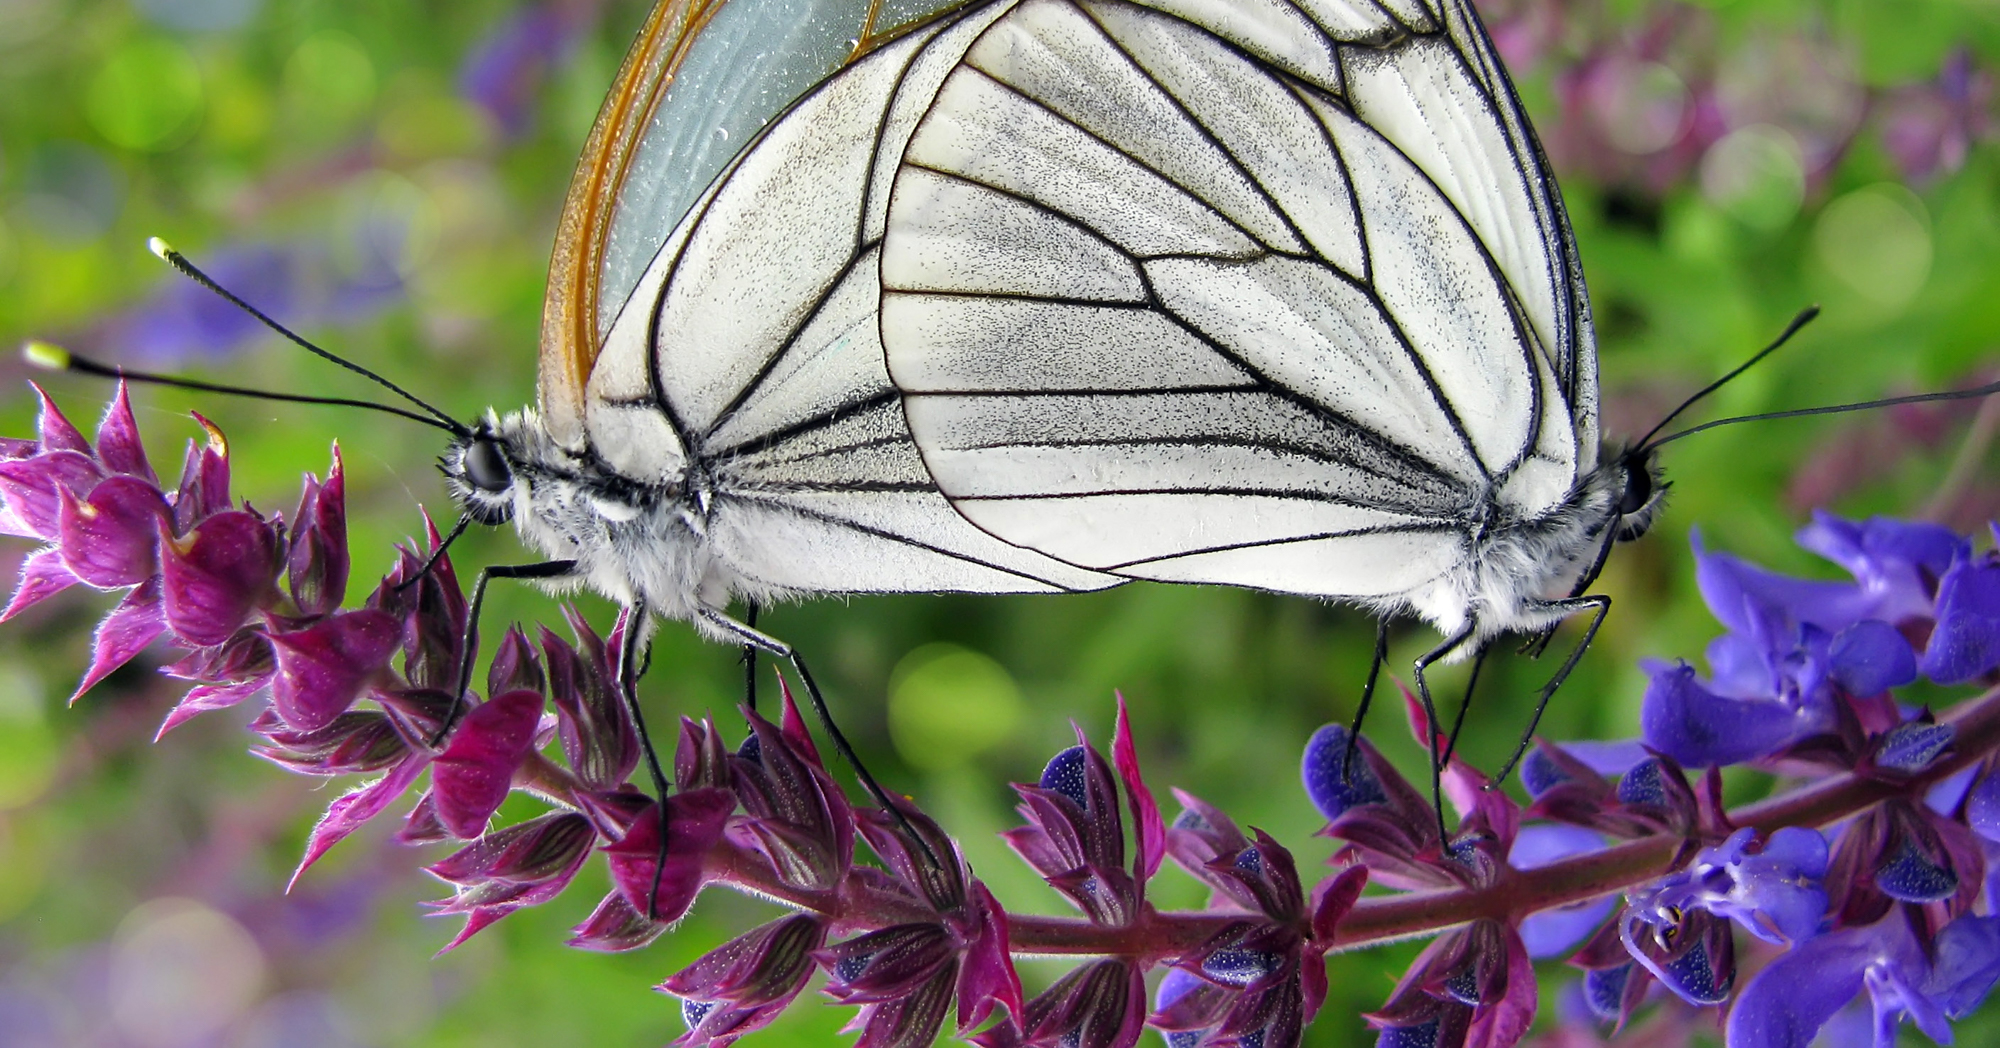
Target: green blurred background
{"points": [[387, 174]]}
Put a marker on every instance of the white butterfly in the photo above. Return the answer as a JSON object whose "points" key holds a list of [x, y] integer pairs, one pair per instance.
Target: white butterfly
{"points": [[1046, 295]]}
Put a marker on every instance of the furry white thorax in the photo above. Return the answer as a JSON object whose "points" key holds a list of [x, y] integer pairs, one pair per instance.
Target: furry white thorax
{"points": [[1510, 575], [630, 541]]}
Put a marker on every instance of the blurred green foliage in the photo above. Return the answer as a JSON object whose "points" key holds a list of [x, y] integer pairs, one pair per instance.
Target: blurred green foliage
{"points": [[299, 122]]}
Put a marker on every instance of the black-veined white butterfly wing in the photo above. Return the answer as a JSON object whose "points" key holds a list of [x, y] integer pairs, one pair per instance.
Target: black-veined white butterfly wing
{"points": [[749, 357], [1167, 302]]}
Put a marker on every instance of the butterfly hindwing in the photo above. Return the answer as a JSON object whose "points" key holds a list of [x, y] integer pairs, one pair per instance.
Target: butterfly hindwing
{"points": [[1162, 304]]}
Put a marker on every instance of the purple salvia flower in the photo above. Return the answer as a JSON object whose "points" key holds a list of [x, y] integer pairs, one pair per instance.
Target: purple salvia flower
{"points": [[230, 672], [1474, 986], [1774, 893], [349, 811], [910, 1020], [216, 574], [615, 927], [1693, 954], [322, 669], [1697, 726], [795, 815], [476, 770], [598, 738], [742, 985], [1187, 1009], [971, 926], [1896, 567], [34, 488], [1965, 644], [1075, 836], [700, 758], [1903, 852], [356, 742], [42, 576], [204, 486], [1099, 1005], [317, 562], [1149, 832], [1870, 657], [109, 539], [433, 611], [695, 821], [511, 868], [124, 633], [1784, 1005], [1390, 828]]}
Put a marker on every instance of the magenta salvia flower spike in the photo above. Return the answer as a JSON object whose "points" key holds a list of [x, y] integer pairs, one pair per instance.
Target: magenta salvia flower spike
{"points": [[1869, 875]]}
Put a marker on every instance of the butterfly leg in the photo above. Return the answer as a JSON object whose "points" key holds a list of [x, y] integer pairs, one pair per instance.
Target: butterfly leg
{"points": [[469, 642], [1540, 641], [750, 661], [1458, 723], [1424, 661], [776, 648], [629, 672], [1569, 606], [1367, 696]]}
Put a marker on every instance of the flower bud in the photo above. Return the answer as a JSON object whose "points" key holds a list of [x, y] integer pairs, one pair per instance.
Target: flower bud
{"points": [[476, 770], [215, 575], [317, 563], [323, 668]]}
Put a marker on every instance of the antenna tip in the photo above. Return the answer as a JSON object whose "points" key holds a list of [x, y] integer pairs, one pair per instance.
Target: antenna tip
{"points": [[45, 355], [160, 247]]}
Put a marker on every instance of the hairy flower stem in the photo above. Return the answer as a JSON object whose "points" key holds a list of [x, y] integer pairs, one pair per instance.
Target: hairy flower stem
{"points": [[1633, 863], [1157, 935]]}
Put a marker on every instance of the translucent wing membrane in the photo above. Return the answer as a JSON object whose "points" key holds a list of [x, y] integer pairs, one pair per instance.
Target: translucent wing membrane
{"points": [[1241, 291], [703, 78], [748, 360]]}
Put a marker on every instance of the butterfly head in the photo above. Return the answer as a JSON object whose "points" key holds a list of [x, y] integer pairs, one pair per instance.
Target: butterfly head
{"points": [[480, 467], [1645, 492]]}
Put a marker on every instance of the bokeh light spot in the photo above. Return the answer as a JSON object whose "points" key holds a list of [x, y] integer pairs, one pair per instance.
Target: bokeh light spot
{"points": [[1643, 109], [1756, 175], [181, 972], [329, 80], [146, 96], [948, 703], [1876, 241]]}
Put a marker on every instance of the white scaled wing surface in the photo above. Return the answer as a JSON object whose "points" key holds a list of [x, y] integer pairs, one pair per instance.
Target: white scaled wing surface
{"points": [[1255, 292], [747, 364]]}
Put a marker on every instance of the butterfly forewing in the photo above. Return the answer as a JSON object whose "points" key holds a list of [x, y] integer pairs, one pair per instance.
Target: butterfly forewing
{"points": [[702, 79], [1169, 299], [749, 356]]}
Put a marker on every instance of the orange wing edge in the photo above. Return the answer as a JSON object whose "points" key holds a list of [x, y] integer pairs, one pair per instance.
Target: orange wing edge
{"points": [[570, 342]]}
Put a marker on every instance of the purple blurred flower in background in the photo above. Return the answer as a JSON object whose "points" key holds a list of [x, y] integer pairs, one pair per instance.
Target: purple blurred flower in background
{"points": [[1930, 128], [505, 72], [300, 283]]}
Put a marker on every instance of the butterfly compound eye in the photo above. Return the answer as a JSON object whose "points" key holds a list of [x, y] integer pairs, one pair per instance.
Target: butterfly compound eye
{"points": [[1638, 490], [486, 468]]}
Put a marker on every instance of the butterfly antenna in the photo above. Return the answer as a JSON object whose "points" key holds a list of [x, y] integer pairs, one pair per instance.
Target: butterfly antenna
{"points": [[1805, 317], [188, 269], [1974, 393], [50, 357], [436, 554]]}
